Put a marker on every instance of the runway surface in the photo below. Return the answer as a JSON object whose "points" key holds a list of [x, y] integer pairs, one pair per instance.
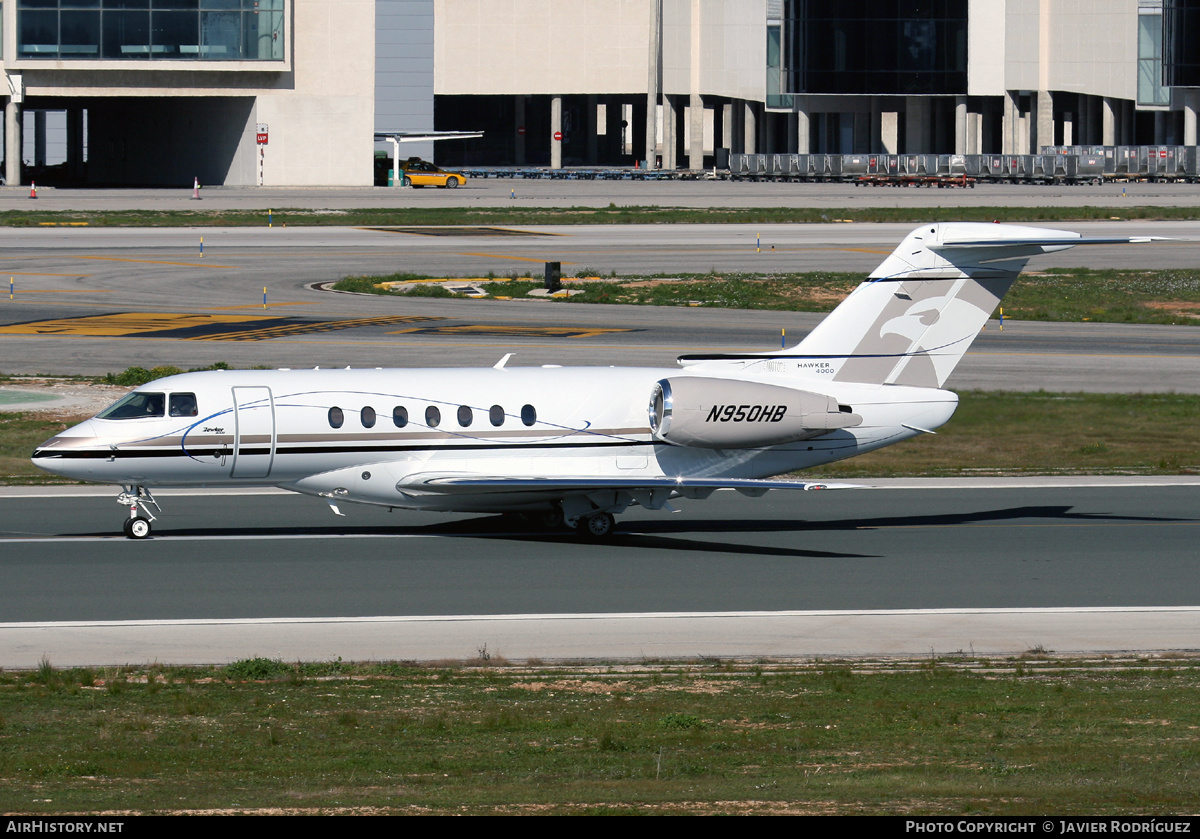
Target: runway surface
{"points": [[234, 569], [985, 569], [95, 301]]}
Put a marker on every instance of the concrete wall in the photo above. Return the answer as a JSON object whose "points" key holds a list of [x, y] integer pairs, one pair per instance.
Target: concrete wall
{"points": [[482, 47], [318, 104], [1080, 46]]}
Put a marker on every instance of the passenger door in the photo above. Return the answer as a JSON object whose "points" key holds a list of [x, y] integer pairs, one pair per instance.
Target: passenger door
{"points": [[253, 432]]}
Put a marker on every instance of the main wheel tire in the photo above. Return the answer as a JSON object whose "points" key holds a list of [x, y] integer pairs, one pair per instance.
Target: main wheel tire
{"points": [[405, 181], [596, 526], [452, 183], [137, 527]]}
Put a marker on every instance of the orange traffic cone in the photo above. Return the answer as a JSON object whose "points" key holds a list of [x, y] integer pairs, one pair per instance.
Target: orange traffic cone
{"points": [[32, 189], [196, 189]]}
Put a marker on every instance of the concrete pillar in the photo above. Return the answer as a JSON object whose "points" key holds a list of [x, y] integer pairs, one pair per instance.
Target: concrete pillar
{"points": [[1108, 111], [670, 125], [13, 131], [555, 129], [695, 131], [1191, 104], [974, 133], [803, 126], [961, 142], [1009, 126], [889, 132], [654, 82], [1044, 132], [727, 132], [750, 127], [1068, 129]]}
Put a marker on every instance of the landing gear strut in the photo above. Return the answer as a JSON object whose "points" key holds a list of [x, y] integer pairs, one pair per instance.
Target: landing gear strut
{"points": [[139, 500]]}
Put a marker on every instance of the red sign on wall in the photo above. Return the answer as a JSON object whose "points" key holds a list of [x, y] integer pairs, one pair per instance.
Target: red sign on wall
{"points": [[261, 132], [557, 135]]}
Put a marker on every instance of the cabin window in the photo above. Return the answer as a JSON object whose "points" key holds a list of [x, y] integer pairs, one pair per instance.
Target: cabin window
{"points": [[336, 417], [399, 416], [433, 416], [367, 415], [496, 415], [136, 405], [465, 416], [183, 405], [528, 414]]}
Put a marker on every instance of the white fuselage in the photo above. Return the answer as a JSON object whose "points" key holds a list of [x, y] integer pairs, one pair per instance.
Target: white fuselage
{"points": [[281, 428]]}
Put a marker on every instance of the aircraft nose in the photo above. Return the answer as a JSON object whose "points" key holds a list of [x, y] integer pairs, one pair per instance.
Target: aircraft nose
{"points": [[48, 455]]}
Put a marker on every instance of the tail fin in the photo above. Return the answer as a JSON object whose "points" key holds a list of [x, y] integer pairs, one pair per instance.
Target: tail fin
{"points": [[913, 319]]}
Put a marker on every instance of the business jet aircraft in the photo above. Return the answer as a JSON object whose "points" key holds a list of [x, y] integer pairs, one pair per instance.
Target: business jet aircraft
{"points": [[575, 445]]}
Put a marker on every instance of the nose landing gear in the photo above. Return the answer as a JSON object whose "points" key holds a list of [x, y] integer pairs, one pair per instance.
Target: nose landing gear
{"points": [[139, 500]]}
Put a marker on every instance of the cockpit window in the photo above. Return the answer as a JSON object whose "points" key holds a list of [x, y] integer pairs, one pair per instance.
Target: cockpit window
{"points": [[135, 406], [183, 405]]}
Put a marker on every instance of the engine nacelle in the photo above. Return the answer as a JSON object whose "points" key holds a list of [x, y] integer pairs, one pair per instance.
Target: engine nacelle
{"points": [[734, 414]]}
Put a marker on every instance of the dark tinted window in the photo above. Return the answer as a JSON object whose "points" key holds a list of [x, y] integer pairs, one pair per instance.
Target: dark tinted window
{"points": [[136, 405], [336, 417], [528, 415], [433, 416], [496, 415], [400, 416], [464, 416], [367, 415], [183, 405]]}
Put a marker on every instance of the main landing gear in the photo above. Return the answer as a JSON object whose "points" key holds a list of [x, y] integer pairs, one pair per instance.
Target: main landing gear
{"points": [[589, 527], [598, 525], [139, 501]]}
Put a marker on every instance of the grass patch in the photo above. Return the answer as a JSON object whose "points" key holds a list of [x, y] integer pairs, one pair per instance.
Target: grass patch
{"points": [[20, 434], [1008, 433], [1065, 295], [612, 214], [938, 736]]}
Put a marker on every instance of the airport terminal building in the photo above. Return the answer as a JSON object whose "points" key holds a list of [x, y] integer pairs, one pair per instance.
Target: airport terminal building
{"points": [[293, 92]]}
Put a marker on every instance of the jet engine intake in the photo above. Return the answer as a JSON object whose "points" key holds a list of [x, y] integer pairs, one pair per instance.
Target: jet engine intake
{"points": [[733, 414]]}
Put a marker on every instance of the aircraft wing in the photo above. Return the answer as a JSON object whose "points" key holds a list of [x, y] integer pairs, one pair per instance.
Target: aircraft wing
{"points": [[445, 483]]}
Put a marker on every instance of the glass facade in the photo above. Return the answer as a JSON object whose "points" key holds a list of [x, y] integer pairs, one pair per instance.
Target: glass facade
{"points": [[881, 47], [202, 30], [1150, 89], [1181, 37]]}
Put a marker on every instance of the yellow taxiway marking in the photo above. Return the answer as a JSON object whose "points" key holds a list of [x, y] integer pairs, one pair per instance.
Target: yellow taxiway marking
{"points": [[129, 323], [64, 291], [518, 258], [155, 262], [260, 305], [512, 331]]}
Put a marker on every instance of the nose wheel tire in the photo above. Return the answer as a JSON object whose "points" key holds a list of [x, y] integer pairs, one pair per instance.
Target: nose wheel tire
{"points": [[137, 527], [596, 526]]}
